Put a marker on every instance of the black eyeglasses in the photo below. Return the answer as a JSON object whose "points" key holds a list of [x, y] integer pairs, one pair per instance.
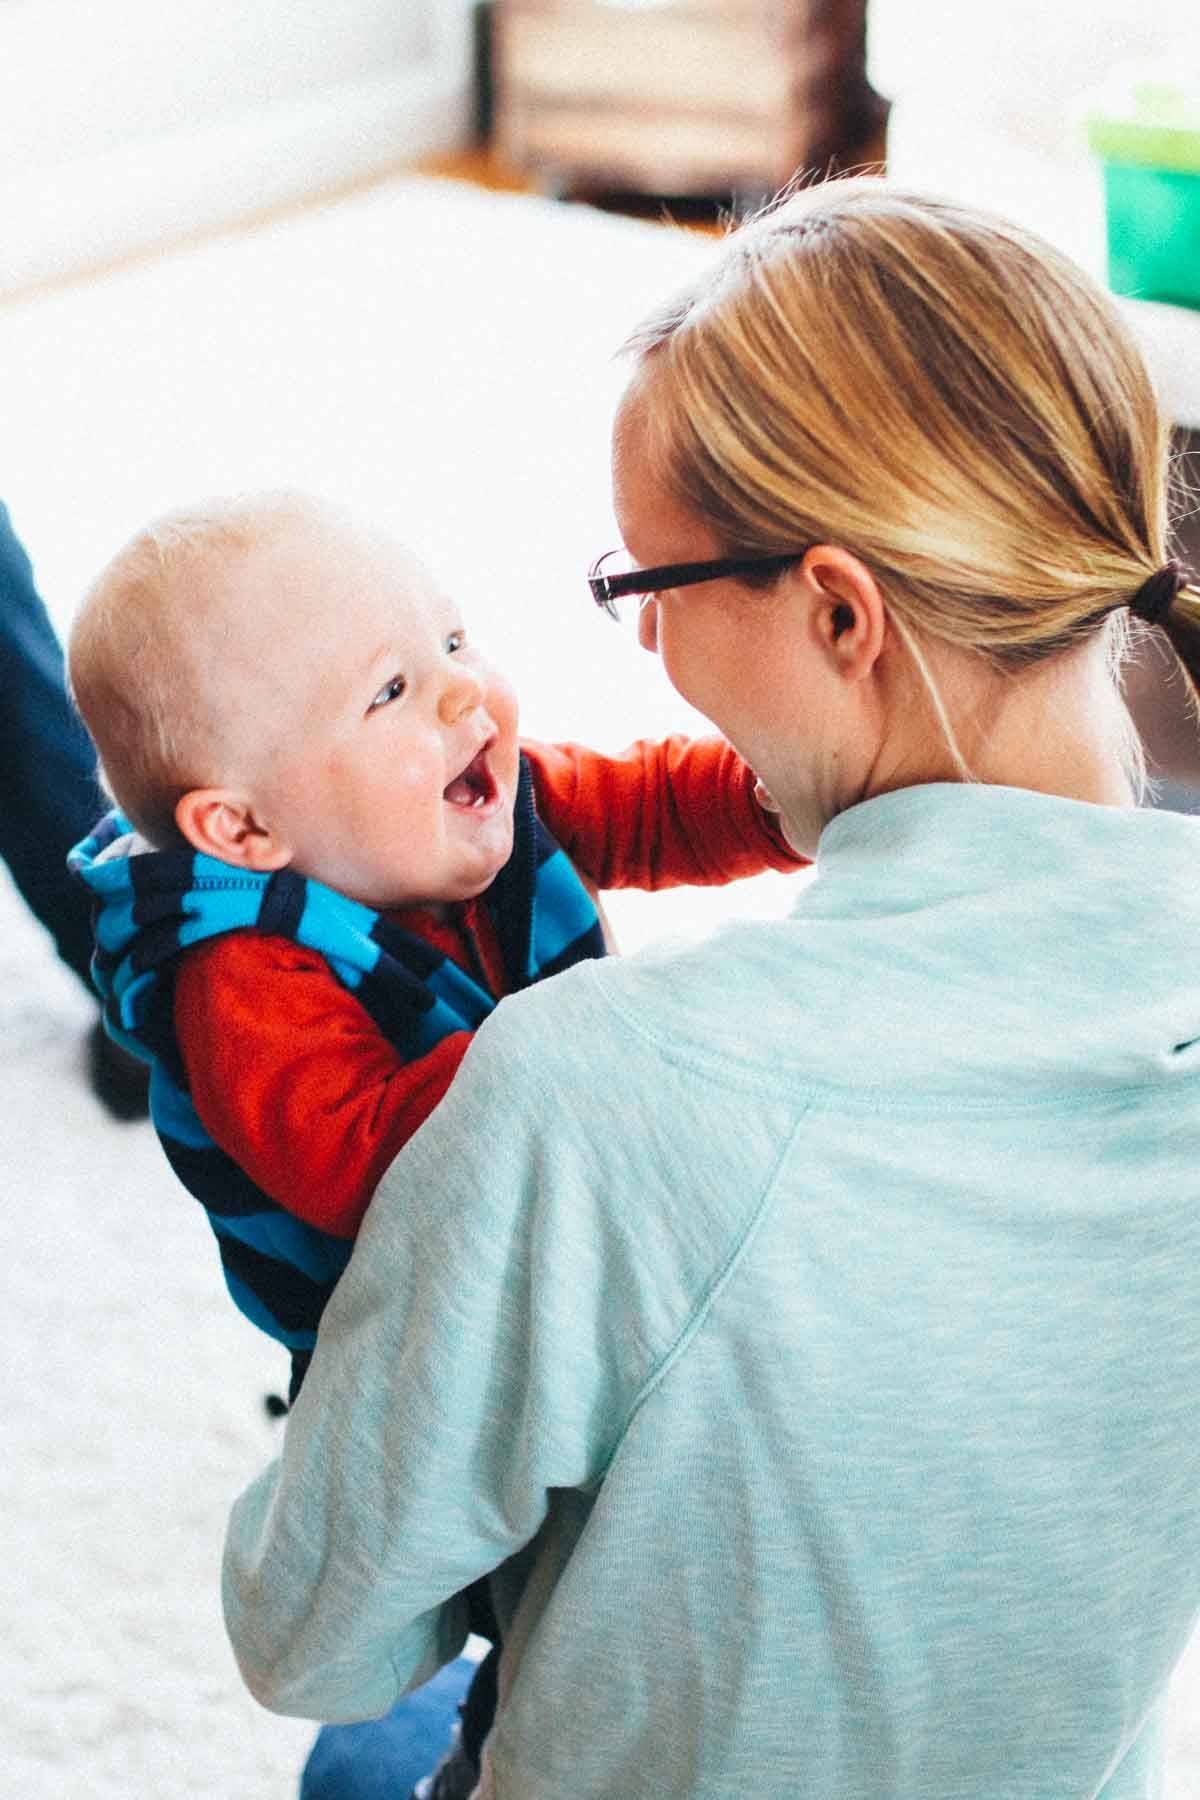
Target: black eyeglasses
{"points": [[624, 583]]}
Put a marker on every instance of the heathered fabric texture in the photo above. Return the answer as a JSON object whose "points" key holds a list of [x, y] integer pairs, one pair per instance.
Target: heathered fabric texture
{"points": [[805, 1328]]}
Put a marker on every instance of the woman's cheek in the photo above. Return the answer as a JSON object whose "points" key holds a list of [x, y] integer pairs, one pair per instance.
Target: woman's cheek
{"points": [[647, 626]]}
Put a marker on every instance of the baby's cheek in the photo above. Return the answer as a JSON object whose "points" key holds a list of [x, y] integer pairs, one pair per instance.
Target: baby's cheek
{"points": [[389, 785], [502, 704], [409, 775]]}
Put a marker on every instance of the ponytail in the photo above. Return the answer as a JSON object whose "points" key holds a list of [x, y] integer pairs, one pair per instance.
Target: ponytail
{"points": [[1180, 622]]}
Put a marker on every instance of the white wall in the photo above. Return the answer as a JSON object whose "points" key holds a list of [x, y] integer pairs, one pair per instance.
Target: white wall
{"points": [[987, 104], [1017, 62], [126, 125]]}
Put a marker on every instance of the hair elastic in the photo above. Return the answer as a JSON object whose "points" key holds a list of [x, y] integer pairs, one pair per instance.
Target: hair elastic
{"points": [[1154, 598]]}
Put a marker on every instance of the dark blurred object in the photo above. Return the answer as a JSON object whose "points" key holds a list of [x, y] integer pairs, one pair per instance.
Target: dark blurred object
{"points": [[1155, 685], [721, 98], [49, 800], [120, 1082], [482, 15], [48, 793]]}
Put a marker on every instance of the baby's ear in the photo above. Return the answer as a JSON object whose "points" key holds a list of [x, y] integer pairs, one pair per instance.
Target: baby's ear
{"points": [[221, 822]]}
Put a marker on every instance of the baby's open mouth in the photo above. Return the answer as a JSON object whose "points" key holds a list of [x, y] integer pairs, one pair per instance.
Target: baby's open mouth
{"points": [[474, 786]]}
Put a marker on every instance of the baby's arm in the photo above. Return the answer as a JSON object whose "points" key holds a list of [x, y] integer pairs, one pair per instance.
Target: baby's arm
{"points": [[294, 1080], [679, 812]]}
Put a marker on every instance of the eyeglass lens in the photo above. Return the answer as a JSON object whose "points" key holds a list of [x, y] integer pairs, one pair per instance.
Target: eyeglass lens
{"points": [[624, 607]]}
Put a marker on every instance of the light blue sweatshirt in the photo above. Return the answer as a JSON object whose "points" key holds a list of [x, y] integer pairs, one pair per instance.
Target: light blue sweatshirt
{"points": [[805, 1328]]}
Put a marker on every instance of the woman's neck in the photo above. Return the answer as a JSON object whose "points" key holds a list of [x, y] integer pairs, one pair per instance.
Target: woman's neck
{"points": [[1061, 728]]}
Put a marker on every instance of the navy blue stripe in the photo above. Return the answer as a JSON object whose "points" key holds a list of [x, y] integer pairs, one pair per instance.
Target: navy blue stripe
{"points": [[157, 944], [509, 900], [158, 882], [156, 1028], [396, 1001], [544, 846], [414, 956], [104, 966], [167, 872], [282, 905], [295, 1302], [584, 948], [221, 1186]]}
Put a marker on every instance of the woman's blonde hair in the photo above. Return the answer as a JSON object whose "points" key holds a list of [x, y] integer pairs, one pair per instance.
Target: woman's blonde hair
{"points": [[938, 391]]}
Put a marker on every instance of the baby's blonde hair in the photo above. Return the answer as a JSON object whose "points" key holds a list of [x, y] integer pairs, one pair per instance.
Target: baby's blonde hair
{"points": [[940, 392], [143, 653]]}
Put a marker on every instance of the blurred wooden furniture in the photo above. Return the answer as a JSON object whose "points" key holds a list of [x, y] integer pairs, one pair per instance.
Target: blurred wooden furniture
{"points": [[680, 97]]}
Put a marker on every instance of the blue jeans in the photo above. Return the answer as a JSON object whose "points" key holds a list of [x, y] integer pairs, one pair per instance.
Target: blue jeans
{"points": [[48, 793], [383, 1759]]}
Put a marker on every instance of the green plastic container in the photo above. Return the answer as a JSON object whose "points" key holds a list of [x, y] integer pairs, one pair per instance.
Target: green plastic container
{"points": [[1146, 131]]}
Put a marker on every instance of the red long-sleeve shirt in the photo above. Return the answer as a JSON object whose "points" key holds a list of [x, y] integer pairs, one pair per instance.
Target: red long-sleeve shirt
{"points": [[296, 1082]]}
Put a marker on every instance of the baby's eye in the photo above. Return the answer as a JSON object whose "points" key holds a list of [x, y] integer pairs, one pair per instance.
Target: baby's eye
{"points": [[391, 690], [455, 641]]}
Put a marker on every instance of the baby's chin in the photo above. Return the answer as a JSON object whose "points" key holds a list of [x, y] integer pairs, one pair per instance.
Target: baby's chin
{"points": [[402, 898], [484, 881], [470, 887], [480, 867]]}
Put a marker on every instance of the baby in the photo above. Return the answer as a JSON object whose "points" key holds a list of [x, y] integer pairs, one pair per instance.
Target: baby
{"points": [[332, 857]]}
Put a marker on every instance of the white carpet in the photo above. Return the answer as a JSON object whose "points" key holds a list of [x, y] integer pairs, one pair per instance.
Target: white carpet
{"points": [[443, 360]]}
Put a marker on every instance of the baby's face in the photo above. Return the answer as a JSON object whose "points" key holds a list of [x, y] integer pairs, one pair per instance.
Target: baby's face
{"points": [[390, 744]]}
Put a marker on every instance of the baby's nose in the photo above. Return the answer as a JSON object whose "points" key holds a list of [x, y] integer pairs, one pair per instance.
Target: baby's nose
{"points": [[461, 695]]}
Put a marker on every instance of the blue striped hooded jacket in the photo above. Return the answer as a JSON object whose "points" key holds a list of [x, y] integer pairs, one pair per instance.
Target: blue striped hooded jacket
{"points": [[151, 907]]}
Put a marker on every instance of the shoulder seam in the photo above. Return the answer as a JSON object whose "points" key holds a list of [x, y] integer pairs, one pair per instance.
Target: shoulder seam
{"points": [[712, 1292], [749, 1077]]}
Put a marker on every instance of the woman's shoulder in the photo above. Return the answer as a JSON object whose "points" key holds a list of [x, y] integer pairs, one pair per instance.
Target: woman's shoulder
{"points": [[712, 1007], [592, 1131], [995, 945]]}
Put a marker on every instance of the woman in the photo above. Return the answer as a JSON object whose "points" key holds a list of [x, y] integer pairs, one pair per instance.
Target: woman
{"points": [[820, 1392]]}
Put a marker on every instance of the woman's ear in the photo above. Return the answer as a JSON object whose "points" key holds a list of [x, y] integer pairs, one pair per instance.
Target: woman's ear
{"points": [[847, 609], [220, 822]]}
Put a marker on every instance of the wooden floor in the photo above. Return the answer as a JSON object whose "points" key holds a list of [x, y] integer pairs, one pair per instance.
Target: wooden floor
{"points": [[482, 167]]}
